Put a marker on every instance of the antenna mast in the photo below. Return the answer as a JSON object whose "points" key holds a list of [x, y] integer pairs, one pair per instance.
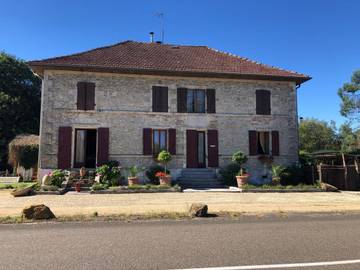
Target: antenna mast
{"points": [[160, 15]]}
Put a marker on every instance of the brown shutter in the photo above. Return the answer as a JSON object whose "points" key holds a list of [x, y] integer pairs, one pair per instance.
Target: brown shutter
{"points": [[263, 106], [64, 147], [213, 148], [191, 149], [81, 96], [160, 99], [90, 96], [252, 143], [172, 141], [147, 141], [103, 146], [181, 99], [275, 143], [211, 101]]}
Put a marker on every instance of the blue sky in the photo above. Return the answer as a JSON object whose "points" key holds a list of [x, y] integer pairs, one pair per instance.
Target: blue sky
{"points": [[319, 38]]}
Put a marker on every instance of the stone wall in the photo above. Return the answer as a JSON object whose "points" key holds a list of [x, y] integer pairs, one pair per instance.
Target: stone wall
{"points": [[124, 104]]}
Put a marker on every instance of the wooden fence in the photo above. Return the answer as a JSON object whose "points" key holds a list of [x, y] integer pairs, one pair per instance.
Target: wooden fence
{"points": [[343, 177]]}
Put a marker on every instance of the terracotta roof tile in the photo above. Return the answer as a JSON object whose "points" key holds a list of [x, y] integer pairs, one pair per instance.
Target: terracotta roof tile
{"points": [[140, 57]]}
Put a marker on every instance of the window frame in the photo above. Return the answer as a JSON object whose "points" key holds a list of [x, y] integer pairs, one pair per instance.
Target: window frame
{"points": [[258, 143], [165, 131], [194, 99]]}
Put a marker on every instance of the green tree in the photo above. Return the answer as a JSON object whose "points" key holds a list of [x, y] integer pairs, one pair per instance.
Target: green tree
{"points": [[348, 138], [350, 99], [315, 135], [19, 101]]}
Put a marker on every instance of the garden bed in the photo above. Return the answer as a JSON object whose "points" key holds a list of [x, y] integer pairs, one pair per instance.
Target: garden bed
{"points": [[137, 189], [281, 189], [16, 185], [59, 191]]}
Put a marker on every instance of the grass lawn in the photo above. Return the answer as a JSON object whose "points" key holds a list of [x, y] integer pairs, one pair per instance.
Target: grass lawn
{"points": [[280, 187], [16, 185]]}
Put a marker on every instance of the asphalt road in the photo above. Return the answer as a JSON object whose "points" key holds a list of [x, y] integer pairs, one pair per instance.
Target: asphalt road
{"points": [[183, 244]]}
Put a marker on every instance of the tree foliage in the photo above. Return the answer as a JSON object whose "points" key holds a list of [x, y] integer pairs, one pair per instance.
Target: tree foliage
{"points": [[19, 101], [350, 98], [315, 135]]}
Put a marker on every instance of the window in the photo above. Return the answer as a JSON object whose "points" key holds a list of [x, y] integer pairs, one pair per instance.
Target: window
{"points": [[159, 141], [263, 143], [160, 99], [195, 101], [85, 148], [85, 96], [263, 103]]}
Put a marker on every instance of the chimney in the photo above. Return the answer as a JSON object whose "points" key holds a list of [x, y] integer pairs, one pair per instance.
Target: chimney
{"points": [[151, 37]]}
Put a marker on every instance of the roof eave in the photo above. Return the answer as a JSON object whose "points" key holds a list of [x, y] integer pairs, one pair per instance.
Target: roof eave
{"points": [[40, 67]]}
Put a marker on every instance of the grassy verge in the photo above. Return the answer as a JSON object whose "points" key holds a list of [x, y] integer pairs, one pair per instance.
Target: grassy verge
{"points": [[16, 185], [280, 187]]}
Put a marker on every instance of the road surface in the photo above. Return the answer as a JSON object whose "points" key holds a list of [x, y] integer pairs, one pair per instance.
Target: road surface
{"points": [[287, 242]]}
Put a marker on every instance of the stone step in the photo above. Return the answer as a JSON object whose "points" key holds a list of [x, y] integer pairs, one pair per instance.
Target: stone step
{"points": [[195, 186], [199, 175]]}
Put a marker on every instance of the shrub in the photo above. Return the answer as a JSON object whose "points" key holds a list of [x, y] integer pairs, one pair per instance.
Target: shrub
{"points": [[29, 156], [151, 173], [164, 157], [229, 173], [240, 158], [292, 175], [109, 173], [135, 170], [99, 186], [57, 177]]}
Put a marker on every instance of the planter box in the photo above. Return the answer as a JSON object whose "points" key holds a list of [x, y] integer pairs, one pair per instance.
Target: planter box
{"points": [[61, 191]]}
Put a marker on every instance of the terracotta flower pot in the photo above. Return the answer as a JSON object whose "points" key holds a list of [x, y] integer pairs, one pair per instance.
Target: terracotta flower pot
{"points": [[82, 172], [242, 180], [77, 187], [133, 181], [165, 180]]}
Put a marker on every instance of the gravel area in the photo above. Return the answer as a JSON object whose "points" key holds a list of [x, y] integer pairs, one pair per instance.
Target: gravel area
{"points": [[251, 203]]}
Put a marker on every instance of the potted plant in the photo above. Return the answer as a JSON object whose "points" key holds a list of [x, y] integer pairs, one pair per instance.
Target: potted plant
{"points": [[133, 175], [164, 158], [276, 170], [242, 177]]}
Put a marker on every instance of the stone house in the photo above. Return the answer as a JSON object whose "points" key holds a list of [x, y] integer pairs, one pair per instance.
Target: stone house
{"points": [[128, 101]]}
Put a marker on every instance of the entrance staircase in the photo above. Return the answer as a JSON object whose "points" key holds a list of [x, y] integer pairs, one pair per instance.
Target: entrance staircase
{"points": [[201, 178]]}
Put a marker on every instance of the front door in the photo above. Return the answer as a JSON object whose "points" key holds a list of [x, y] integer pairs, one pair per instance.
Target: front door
{"points": [[195, 149], [85, 148]]}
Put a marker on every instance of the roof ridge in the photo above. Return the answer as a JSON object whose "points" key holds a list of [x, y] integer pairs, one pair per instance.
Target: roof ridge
{"points": [[256, 62]]}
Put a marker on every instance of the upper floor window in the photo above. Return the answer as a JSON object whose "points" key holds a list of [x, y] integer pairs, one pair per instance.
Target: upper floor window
{"points": [[160, 99], [196, 100], [85, 96], [263, 102]]}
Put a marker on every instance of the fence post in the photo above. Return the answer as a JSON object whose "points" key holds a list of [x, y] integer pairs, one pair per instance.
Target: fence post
{"points": [[320, 173]]}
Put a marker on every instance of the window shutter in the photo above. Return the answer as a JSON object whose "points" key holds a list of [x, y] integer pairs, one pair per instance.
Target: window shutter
{"points": [[252, 143], [275, 143], [172, 141], [147, 141], [263, 102], [211, 101], [181, 99], [64, 147], [160, 99], [103, 146], [81, 96], [213, 148], [90, 96]]}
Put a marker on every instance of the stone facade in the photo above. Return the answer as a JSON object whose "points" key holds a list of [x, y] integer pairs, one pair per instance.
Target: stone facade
{"points": [[124, 104]]}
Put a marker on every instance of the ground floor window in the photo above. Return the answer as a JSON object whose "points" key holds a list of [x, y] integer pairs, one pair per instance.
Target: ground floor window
{"points": [[159, 141], [263, 143], [85, 148]]}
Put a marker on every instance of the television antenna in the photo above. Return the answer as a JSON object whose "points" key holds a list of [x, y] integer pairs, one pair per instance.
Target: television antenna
{"points": [[160, 15]]}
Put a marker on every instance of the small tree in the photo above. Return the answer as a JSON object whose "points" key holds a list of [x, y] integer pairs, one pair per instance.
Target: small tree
{"points": [[240, 158], [164, 157]]}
